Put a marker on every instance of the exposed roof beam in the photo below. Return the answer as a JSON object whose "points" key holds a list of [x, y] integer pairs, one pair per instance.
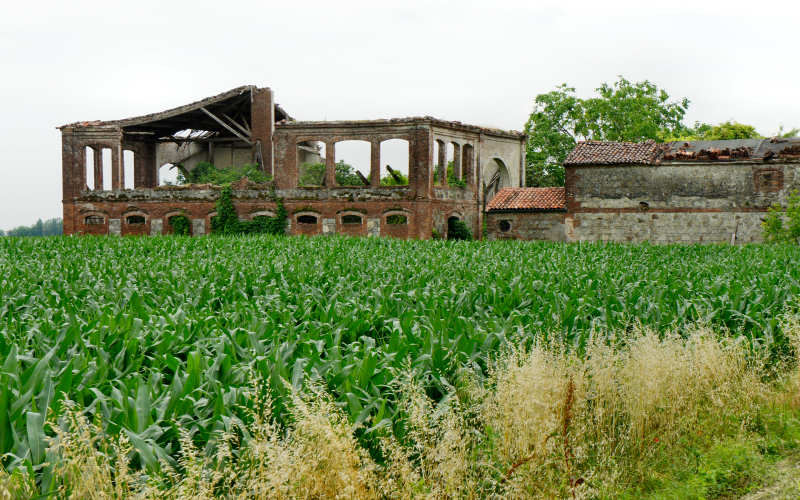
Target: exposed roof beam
{"points": [[227, 127], [234, 122]]}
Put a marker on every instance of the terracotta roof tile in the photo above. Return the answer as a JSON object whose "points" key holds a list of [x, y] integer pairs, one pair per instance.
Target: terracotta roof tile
{"points": [[613, 153], [550, 198]]}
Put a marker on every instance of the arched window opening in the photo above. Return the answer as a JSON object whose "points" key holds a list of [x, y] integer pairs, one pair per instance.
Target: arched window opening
{"points": [[450, 154], [168, 175], [127, 163], [89, 166], [351, 219], [394, 156], [353, 163], [439, 161], [135, 220], [106, 155], [94, 220], [180, 225], [396, 219], [457, 229], [307, 219], [311, 164]]}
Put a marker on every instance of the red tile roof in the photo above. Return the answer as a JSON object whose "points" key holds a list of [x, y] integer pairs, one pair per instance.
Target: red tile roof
{"points": [[613, 153], [550, 198]]}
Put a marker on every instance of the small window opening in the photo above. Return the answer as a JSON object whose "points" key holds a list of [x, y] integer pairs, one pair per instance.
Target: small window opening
{"points": [[505, 226], [95, 219], [307, 219], [351, 219], [128, 159], [644, 206], [135, 219], [398, 219]]}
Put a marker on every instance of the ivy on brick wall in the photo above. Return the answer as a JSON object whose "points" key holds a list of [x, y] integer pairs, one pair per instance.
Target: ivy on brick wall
{"points": [[227, 220]]}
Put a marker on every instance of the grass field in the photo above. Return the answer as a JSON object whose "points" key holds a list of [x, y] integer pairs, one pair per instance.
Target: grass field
{"points": [[171, 342]]}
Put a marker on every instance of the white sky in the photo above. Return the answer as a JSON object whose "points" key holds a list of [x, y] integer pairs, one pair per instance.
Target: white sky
{"points": [[477, 62]]}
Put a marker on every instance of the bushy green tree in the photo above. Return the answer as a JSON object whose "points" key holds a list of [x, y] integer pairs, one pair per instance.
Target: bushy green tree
{"points": [[313, 174], [706, 132], [458, 230], [227, 221], [623, 111]]}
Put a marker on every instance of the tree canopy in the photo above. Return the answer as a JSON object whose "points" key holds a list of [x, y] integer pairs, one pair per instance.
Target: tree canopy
{"points": [[50, 227], [623, 111]]}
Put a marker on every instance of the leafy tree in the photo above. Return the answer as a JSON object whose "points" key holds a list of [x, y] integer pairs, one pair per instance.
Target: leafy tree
{"points": [[706, 132], [458, 230], [624, 111], [313, 174], [795, 132]]}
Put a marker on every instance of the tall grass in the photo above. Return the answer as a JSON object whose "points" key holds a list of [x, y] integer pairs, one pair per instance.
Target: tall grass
{"points": [[546, 423]]}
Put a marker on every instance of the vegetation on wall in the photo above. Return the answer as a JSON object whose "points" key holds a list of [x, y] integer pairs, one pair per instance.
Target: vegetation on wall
{"points": [[782, 224], [458, 230], [206, 173], [50, 227], [181, 225], [623, 111], [227, 219]]}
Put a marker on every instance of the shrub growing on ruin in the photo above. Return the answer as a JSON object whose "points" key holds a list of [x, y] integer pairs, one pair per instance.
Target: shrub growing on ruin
{"points": [[206, 173], [458, 230], [782, 224], [227, 220], [180, 225]]}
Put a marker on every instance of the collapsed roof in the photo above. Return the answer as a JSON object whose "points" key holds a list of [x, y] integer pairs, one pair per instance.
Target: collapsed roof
{"points": [[652, 153], [225, 114]]}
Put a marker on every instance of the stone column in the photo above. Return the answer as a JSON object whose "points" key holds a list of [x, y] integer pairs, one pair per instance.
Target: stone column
{"points": [[117, 168], [330, 164], [98, 168], [375, 164], [457, 161]]}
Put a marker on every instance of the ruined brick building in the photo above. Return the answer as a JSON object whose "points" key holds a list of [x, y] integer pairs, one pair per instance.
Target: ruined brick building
{"points": [[702, 191], [111, 170]]}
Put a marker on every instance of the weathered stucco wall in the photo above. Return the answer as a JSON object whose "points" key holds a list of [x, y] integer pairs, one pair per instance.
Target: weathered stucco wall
{"points": [[525, 226], [677, 202]]}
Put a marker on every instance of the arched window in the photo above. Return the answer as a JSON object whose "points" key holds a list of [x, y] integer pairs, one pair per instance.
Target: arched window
{"points": [[306, 219], [94, 219], [351, 219], [135, 219], [467, 160], [353, 163], [89, 165], [397, 219], [128, 171]]}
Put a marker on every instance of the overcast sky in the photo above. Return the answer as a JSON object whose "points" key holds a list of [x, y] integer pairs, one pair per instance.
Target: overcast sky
{"points": [[477, 62]]}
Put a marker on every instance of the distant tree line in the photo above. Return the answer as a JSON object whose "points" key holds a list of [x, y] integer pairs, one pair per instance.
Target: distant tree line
{"points": [[50, 227]]}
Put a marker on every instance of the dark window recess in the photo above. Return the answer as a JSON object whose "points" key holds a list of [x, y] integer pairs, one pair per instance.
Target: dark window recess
{"points": [[95, 219], [135, 219], [351, 219], [505, 226], [397, 219], [768, 180], [644, 206], [307, 219]]}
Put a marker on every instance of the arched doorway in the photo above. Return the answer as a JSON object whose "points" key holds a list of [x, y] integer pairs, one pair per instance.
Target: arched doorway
{"points": [[495, 177]]}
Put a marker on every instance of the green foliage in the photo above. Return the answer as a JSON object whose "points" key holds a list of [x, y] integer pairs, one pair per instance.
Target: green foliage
{"points": [[396, 219], [782, 224], [227, 222], [398, 179], [704, 132], [788, 134], [458, 230], [313, 174], [180, 224], [624, 111], [451, 177], [206, 173], [153, 334], [50, 227]]}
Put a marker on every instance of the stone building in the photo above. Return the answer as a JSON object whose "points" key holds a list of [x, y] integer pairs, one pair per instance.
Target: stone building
{"points": [[111, 170], [702, 191]]}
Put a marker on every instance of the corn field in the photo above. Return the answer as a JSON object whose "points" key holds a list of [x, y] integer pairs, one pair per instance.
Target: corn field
{"points": [[154, 336]]}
